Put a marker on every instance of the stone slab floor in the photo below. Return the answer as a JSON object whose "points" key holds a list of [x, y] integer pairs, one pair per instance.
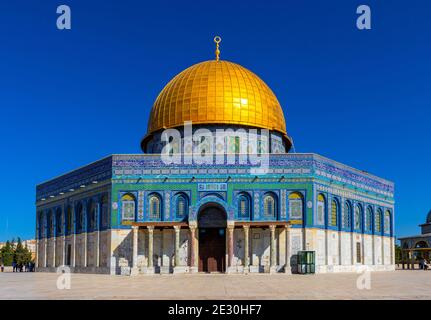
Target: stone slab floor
{"points": [[400, 284]]}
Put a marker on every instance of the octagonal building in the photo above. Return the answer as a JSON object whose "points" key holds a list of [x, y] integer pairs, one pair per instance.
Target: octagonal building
{"points": [[216, 190]]}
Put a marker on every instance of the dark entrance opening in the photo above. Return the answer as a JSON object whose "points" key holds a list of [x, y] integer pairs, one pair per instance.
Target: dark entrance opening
{"points": [[212, 239], [68, 254]]}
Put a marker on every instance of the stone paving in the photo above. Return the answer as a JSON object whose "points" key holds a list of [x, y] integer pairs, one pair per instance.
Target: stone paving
{"points": [[400, 284]]}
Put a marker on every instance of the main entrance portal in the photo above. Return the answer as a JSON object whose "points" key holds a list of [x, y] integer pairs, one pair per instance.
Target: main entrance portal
{"points": [[212, 239]]}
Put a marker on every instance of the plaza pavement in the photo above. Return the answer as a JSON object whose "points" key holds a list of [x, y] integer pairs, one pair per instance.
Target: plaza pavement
{"points": [[400, 284]]}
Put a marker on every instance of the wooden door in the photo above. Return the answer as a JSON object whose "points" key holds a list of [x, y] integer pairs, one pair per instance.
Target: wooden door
{"points": [[212, 250]]}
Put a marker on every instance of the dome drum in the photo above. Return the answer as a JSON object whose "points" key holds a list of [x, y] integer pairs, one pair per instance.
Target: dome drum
{"points": [[277, 142]]}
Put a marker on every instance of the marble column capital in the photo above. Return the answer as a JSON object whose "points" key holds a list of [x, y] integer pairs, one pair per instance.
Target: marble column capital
{"points": [[193, 224]]}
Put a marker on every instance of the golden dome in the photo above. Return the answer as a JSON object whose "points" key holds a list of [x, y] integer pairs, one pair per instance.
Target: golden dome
{"points": [[217, 92]]}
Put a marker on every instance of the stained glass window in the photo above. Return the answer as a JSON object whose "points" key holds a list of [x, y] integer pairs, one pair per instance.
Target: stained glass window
{"points": [[181, 206], [378, 221], [50, 224], [128, 207], [269, 205], [154, 207], [295, 205], [369, 219], [59, 222], [82, 219], [104, 212], [357, 222], [92, 212], [41, 225], [79, 218], [321, 209], [387, 223], [347, 213], [334, 213], [243, 206], [69, 220]]}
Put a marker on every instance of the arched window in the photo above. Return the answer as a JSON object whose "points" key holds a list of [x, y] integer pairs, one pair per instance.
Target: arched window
{"points": [[387, 222], [321, 208], [128, 207], [58, 222], [182, 206], [233, 143], [50, 224], [243, 206], [357, 217], [80, 219], [69, 220], [270, 206], [104, 212], [334, 213], [154, 207], [295, 205], [369, 219], [347, 213], [41, 225], [378, 221], [92, 215]]}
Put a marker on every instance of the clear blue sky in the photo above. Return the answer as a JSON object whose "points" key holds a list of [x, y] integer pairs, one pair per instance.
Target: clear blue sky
{"points": [[68, 98]]}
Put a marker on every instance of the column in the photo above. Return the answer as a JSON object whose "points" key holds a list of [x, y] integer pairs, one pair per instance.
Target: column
{"points": [[73, 254], [287, 268], [63, 260], [134, 270], [230, 229], [273, 267], [246, 249], [72, 235], [193, 260], [150, 267], [85, 234], [177, 245], [54, 240], [412, 258], [85, 246], [45, 252], [97, 249], [37, 252], [54, 247], [97, 246]]}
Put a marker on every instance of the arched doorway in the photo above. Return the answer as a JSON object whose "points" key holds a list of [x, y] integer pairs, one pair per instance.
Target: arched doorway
{"points": [[422, 250], [212, 238]]}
